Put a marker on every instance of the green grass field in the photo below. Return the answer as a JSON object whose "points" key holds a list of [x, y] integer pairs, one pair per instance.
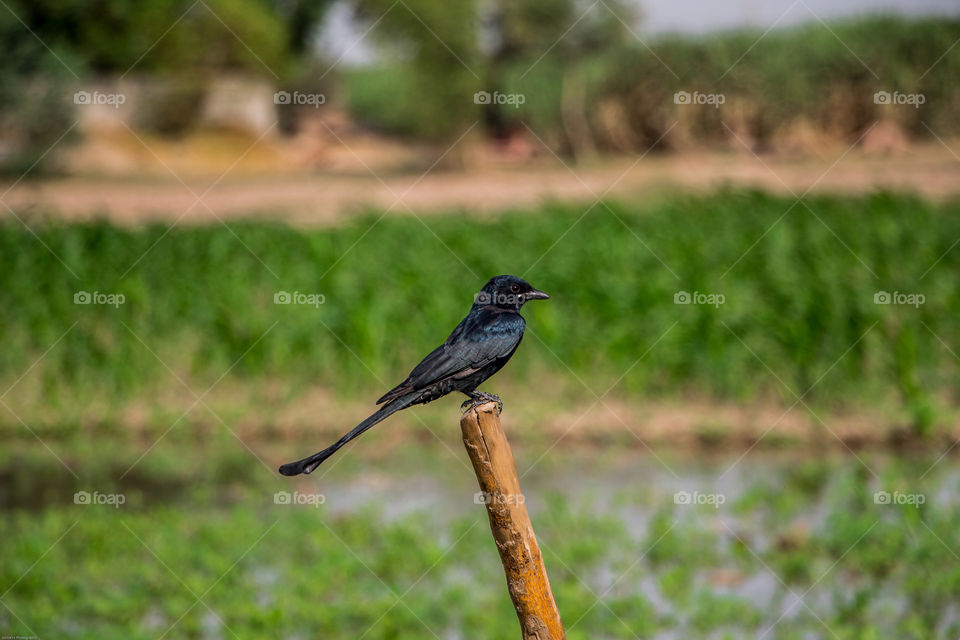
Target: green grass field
{"points": [[810, 529], [200, 549], [798, 283]]}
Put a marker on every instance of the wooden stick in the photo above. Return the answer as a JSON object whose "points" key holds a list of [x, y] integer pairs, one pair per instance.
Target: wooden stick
{"points": [[520, 554]]}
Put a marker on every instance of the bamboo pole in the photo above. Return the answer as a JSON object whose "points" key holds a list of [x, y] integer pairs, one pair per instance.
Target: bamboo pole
{"points": [[520, 554]]}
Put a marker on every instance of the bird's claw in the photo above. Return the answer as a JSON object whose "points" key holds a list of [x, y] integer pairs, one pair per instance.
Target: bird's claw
{"points": [[481, 397]]}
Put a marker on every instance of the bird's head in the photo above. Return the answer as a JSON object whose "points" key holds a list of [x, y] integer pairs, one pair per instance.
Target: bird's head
{"points": [[508, 292]]}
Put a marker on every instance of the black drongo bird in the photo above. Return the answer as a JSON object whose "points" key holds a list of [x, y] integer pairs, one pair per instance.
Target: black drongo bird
{"points": [[478, 348]]}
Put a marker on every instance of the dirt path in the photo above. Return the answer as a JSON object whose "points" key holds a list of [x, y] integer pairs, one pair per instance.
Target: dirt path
{"points": [[325, 198]]}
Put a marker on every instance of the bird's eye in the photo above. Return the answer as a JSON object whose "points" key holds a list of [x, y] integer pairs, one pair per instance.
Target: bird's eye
{"points": [[515, 288]]}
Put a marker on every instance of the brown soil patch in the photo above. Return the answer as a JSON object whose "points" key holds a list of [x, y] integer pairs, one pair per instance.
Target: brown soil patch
{"points": [[282, 184]]}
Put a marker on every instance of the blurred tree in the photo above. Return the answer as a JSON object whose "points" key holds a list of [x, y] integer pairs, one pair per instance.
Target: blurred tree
{"points": [[565, 29], [184, 41], [117, 36], [442, 53], [437, 42], [302, 19], [552, 51], [34, 85]]}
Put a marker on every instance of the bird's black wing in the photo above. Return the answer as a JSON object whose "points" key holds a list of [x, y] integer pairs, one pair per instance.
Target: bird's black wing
{"points": [[484, 336]]}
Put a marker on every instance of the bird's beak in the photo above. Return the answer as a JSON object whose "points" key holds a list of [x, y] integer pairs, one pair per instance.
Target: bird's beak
{"points": [[536, 295]]}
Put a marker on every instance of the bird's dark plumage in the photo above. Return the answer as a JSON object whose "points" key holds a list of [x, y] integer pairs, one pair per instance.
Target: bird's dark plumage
{"points": [[479, 347]]}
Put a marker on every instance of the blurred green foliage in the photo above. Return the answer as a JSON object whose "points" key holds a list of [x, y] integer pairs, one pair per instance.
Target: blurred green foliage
{"points": [[34, 96], [599, 88], [165, 36], [865, 570], [799, 282], [440, 54], [588, 83], [437, 45], [52, 46]]}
